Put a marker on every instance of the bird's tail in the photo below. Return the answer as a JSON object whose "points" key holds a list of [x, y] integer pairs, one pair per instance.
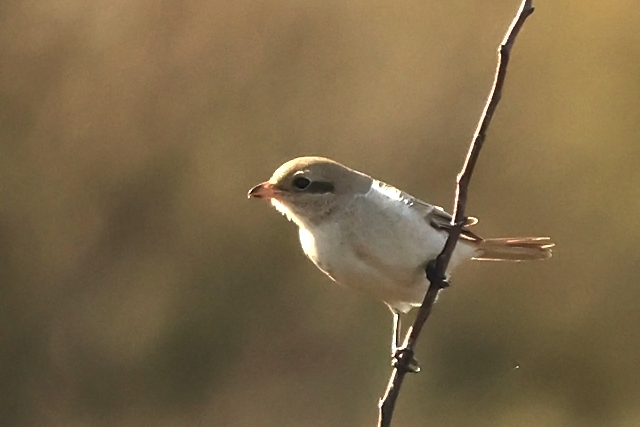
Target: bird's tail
{"points": [[514, 249]]}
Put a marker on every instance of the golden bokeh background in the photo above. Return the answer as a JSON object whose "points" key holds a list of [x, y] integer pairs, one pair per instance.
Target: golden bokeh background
{"points": [[140, 287]]}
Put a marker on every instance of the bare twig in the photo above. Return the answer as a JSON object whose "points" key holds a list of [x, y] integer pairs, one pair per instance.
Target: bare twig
{"points": [[436, 270]]}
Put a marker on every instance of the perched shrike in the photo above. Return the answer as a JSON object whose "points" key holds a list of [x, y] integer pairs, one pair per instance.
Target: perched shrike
{"points": [[370, 236]]}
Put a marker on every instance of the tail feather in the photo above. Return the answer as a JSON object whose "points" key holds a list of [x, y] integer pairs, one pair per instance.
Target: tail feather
{"points": [[514, 249]]}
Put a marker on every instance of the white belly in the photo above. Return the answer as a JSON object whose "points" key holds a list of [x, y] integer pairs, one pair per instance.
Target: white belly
{"points": [[385, 255]]}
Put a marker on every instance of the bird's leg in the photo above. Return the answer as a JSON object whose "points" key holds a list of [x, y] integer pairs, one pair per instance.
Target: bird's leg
{"points": [[399, 355], [402, 357], [395, 335]]}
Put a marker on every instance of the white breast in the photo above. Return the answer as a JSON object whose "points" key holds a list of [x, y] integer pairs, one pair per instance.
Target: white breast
{"points": [[378, 244]]}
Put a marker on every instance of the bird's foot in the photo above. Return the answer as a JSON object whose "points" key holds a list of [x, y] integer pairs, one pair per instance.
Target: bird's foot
{"points": [[434, 278], [402, 359]]}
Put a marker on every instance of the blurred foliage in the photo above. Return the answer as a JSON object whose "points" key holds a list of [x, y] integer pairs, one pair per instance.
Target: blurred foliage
{"points": [[140, 287]]}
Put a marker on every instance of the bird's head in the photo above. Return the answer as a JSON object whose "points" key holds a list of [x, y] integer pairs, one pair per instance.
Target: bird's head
{"points": [[310, 189]]}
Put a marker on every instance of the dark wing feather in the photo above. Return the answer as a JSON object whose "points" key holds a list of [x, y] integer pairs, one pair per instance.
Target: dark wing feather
{"points": [[441, 219]]}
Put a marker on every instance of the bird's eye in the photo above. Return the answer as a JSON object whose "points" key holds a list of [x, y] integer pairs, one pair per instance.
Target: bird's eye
{"points": [[301, 183]]}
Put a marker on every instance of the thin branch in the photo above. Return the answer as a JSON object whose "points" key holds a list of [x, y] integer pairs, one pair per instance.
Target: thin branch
{"points": [[436, 270]]}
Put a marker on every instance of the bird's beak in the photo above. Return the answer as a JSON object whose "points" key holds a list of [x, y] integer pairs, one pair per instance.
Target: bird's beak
{"points": [[263, 191]]}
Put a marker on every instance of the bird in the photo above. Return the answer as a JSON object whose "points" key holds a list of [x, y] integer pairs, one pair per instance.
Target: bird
{"points": [[368, 235]]}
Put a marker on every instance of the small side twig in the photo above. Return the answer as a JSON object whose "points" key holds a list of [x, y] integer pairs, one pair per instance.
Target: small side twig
{"points": [[436, 270]]}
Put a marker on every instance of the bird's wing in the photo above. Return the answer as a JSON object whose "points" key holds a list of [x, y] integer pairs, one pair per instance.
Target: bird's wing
{"points": [[441, 219], [435, 215]]}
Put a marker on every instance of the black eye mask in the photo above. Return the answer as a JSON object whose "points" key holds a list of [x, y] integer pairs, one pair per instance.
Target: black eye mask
{"points": [[320, 187]]}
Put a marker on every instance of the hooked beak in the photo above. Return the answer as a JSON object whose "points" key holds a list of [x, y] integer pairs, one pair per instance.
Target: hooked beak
{"points": [[263, 191]]}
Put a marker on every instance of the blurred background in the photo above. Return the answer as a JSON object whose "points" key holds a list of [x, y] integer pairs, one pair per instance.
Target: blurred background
{"points": [[140, 287]]}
